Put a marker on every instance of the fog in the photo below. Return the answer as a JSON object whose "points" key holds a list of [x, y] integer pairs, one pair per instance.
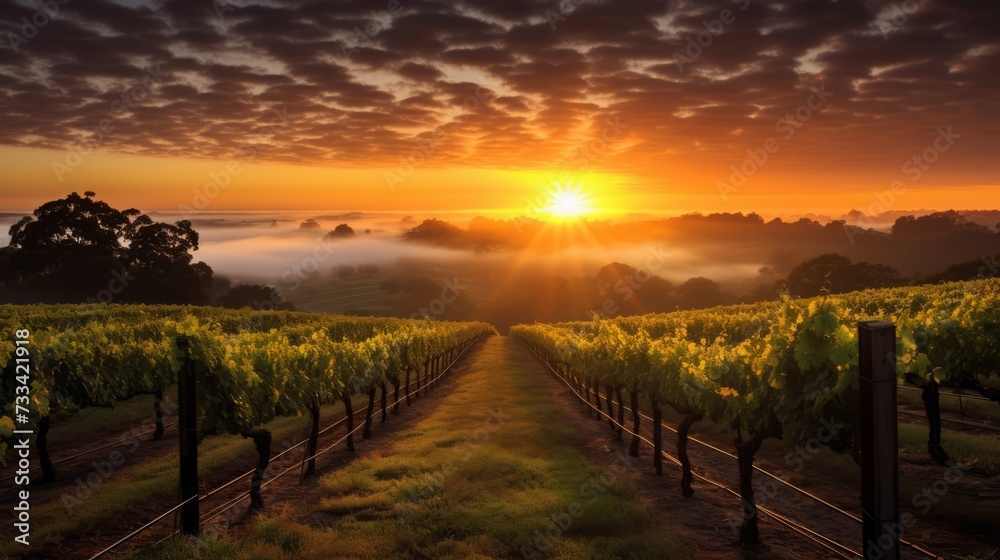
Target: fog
{"points": [[256, 248], [464, 266]]}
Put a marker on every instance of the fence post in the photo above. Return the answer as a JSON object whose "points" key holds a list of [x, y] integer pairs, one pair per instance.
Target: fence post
{"points": [[880, 526], [188, 427]]}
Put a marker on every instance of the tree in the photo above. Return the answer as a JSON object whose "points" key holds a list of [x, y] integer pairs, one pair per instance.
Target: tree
{"points": [[80, 249], [345, 271], [657, 294], [699, 292], [255, 296], [438, 232], [937, 223], [340, 232], [310, 224], [367, 270], [837, 274], [610, 275]]}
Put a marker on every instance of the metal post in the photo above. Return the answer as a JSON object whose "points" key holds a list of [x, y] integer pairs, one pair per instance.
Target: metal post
{"points": [[188, 427], [879, 450]]}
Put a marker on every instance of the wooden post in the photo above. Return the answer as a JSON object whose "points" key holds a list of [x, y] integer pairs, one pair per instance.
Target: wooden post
{"points": [[879, 446], [313, 439], [657, 438], [42, 442], [349, 409], [158, 413], [187, 424]]}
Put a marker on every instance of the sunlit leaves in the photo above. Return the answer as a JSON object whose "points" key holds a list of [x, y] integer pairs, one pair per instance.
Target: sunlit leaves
{"points": [[792, 360], [249, 365]]}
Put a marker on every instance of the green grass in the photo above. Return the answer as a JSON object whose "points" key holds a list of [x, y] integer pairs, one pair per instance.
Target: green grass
{"points": [[979, 453], [974, 410], [974, 453], [121, 496], [465, 482], [134, 415]]}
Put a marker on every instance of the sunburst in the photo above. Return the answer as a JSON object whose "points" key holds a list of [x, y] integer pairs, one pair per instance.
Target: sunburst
{"points": [[567, 202]]}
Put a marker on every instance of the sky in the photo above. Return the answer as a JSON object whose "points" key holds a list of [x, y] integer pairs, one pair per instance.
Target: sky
{"points": [[477, 105]]}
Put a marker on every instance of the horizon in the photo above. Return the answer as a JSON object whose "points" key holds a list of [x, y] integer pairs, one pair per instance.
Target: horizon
{"points": [[772, 228]]}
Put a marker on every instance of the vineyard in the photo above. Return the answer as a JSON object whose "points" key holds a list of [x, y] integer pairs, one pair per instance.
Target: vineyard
{"points": [[786, 370], [251, 367]]}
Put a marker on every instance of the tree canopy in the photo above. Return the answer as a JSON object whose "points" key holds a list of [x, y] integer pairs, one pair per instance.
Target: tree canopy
{"points": [[340, 232], [836, 274], [254, 296], [80, 249]]}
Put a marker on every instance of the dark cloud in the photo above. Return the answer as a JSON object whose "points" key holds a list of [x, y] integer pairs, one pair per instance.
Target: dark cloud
{"points": [[511, 84], [419, 72]]}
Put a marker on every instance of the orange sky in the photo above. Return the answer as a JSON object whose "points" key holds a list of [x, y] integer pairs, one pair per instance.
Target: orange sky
{"points": [[820, 104], [167, 184]]}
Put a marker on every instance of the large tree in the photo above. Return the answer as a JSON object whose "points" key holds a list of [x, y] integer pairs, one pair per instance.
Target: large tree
{"points": [[79, 249], [836, 274], [254, 296]]}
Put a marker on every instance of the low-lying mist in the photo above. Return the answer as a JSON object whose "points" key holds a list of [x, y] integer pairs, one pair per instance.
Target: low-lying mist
{"points": [[467, 267], [464, 266]]}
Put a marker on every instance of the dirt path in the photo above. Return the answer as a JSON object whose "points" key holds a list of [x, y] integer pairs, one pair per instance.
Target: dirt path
{"points": [[412, 482], [490, 469], [412, 468], [710, 518]]}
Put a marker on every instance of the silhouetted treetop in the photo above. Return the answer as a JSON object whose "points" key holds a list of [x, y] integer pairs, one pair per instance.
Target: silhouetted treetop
{"points": [[254, 296], [73, 222], [340, 232], [837, 274], [935, 224], [82, 249]]}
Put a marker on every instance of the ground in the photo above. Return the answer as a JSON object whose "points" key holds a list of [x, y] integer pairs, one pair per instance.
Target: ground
{"points": [[500, 460]]}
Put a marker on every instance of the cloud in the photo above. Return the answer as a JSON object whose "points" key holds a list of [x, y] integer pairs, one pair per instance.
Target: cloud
{"points": [[895, 79]]}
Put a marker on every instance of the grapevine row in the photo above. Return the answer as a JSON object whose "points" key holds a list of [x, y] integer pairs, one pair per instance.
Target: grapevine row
{"points": [[785, 370], [251, 366]]}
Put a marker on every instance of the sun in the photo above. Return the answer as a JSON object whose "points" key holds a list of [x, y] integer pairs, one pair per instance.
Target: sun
{"points": [[567, 202]]}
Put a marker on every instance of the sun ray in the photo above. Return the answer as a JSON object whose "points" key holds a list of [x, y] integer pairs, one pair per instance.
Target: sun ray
{"points": [[568, 202]]}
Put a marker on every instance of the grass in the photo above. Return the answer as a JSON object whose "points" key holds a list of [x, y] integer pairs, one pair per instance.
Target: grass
{"points": [[974, 453], [131, 416], [121, 495], [986, 412], [979, 453], [487, 474]]}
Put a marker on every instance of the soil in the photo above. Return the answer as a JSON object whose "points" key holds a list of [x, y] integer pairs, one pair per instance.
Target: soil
{"points": [[711, 517], [707, 522]]}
